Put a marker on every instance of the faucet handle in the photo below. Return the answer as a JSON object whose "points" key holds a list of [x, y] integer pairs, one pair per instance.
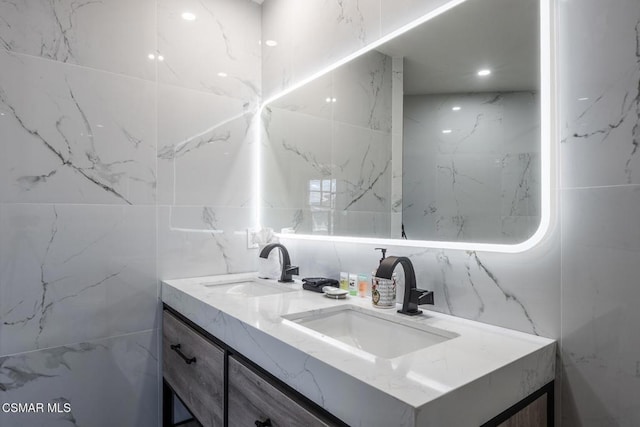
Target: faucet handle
{"points": [[422, 296], [287, 272], [416, 298]]}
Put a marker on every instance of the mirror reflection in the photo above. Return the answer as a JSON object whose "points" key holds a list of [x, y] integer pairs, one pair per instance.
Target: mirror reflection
{"points": [[435, 135]]}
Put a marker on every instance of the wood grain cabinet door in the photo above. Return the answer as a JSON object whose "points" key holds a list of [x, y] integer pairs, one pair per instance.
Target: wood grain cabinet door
{"points": [[194, 368], [253, 399]]}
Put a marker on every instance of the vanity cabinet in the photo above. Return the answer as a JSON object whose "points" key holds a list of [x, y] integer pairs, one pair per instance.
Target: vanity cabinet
{"points": [[536, 410], [194, 368], [222, 388], [533, 415], [254, 400]]}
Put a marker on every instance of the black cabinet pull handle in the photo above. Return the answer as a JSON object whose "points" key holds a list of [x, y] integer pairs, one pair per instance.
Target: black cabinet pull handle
{"points": [[187, 360], [265, 423]]}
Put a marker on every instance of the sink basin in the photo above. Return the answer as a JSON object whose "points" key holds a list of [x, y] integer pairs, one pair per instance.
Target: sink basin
{"points": [[368, 331], [246, 288]]}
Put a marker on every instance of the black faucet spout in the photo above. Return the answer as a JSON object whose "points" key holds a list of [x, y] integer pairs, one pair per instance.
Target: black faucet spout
{"points": [[287, 269], [413, 296]]}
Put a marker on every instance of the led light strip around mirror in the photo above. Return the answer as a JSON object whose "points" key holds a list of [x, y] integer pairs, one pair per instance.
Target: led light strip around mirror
{"points": [[548, 147]]}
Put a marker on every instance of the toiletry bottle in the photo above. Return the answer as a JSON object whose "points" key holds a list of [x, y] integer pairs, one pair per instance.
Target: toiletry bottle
{"points": [[362, 285], [353, 284], [344, 280]]}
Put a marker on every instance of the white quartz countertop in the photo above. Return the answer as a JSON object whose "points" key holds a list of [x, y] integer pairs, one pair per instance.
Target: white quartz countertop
{"points": [[466, 380]]}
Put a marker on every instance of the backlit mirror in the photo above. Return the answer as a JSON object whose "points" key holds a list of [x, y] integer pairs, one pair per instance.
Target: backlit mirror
{"points": [[439, 136]]}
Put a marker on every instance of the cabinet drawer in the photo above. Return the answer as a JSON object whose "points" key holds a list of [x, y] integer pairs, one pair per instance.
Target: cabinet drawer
{"points": [[200, 383], [252, 398]]}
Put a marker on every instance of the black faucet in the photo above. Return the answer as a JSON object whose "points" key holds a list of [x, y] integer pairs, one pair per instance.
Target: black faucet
{"points": [[413, 297], [287, 269]]}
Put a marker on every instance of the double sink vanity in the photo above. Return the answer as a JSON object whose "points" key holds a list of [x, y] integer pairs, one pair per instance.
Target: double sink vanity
{"points": [[239, 350], [422, 146]]}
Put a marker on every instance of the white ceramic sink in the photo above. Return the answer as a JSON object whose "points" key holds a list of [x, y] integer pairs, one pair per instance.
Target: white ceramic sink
{"points": [[246, 288], [368, 331]]}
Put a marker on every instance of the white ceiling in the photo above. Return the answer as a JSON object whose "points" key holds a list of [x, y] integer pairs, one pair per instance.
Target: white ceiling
{"points": [[444, 54]]}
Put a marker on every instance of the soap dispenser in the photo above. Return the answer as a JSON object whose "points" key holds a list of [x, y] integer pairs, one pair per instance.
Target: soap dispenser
{"points": [[383, 291]]}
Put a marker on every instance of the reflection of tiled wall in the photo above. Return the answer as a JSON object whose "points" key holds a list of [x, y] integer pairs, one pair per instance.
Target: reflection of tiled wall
{"points": [[314, 34], [599, 201], [113, 173], [471, 173], [335, 131]]}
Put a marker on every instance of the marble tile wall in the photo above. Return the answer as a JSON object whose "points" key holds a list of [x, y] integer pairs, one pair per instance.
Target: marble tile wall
{"points": [[600, 173], [209, 86], [124, 155], [580, 284], [479, 182], [327, 148]]}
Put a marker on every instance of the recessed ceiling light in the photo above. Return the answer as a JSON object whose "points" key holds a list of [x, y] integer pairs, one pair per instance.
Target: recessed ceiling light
{"points": [[188, 16], [583, 99], [222, 74], [484, 72], [160, 58], [151, 56], [271, 43], [456, 108], [446, 131]]}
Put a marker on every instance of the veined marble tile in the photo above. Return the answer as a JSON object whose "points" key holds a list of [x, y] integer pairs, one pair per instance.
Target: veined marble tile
{"points": [[362, 91], [520, 184], [299, 220], [212, 164], [367, 223], [362, 168], [521, 128], [277, 61], [516, 229], [74, 135], [198, 241], [478, 127], [115, 36], [313, 99], [394, 15], [203, 143], [477, 171], [223, 37], [601, 380], [73, 273], [102, 383], [600, 106], [314, 34], [296, 159], [314, 134]]}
